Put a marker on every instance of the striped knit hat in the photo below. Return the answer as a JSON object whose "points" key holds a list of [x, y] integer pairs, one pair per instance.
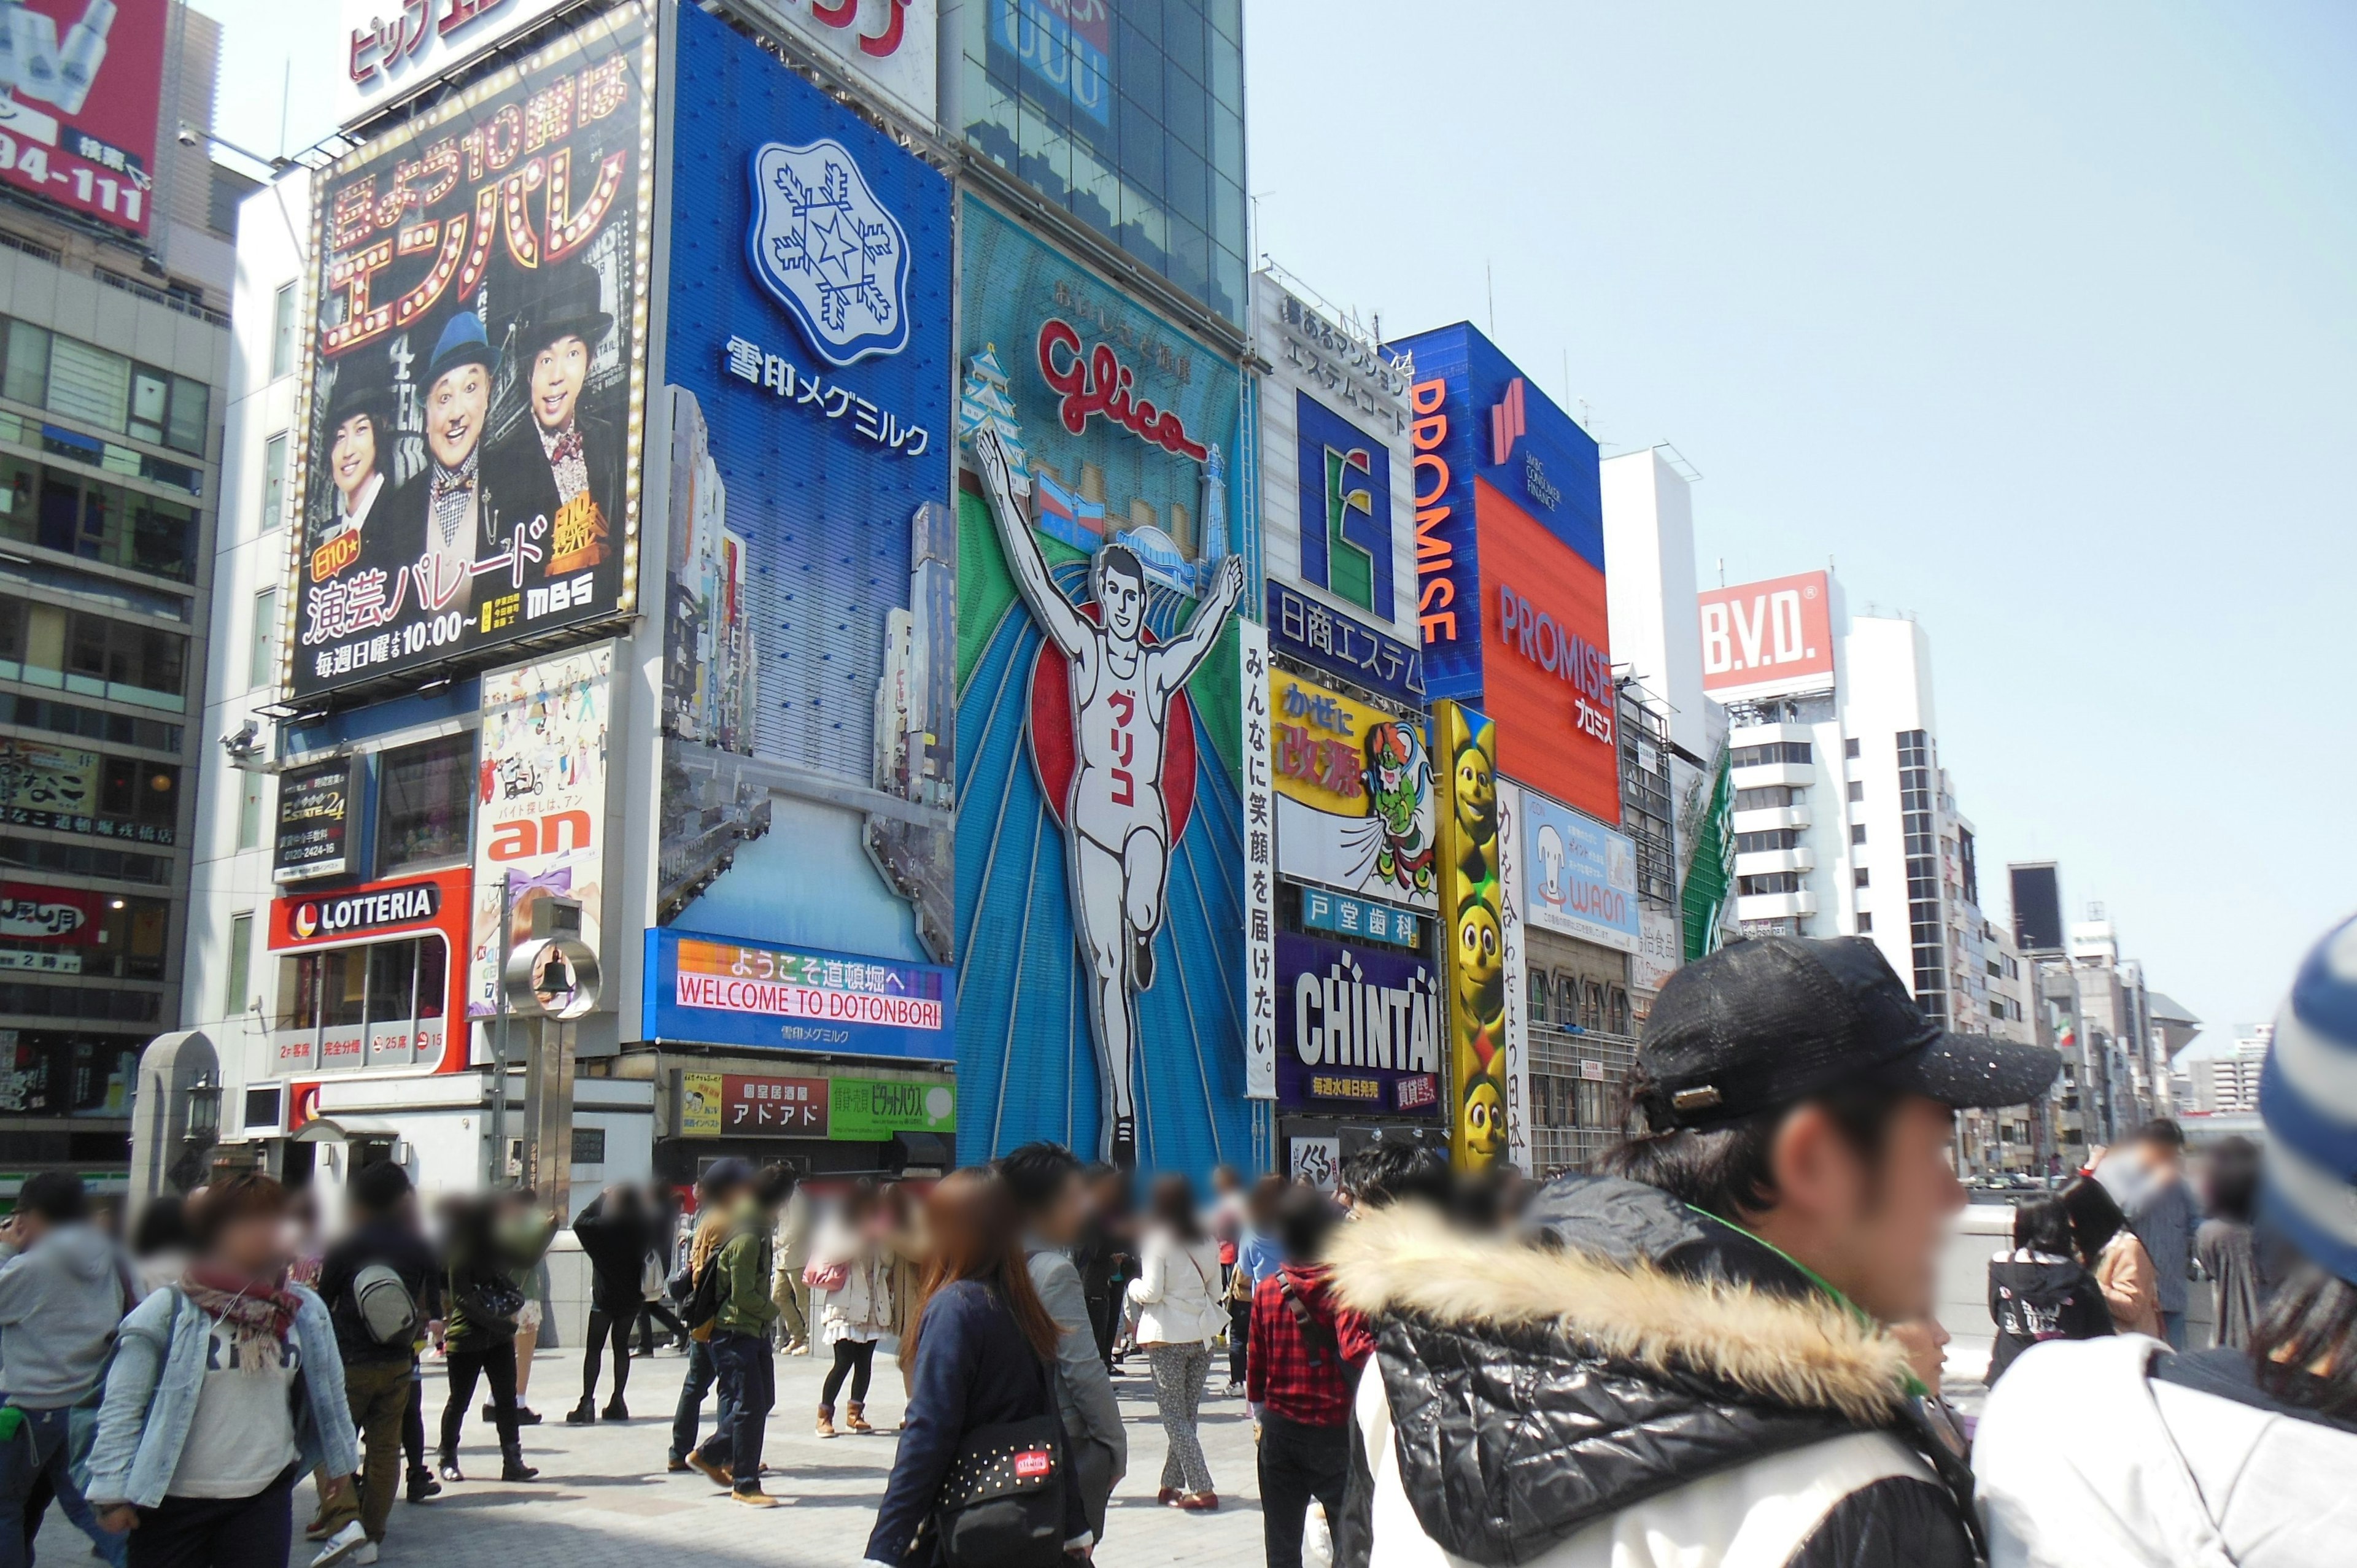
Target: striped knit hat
{"points": [[2308, 1098]]}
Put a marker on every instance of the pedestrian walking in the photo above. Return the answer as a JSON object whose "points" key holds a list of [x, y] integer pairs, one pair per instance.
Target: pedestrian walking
{"points": [[1305, 1354], [850, 1278], [1102, 1255], [382, 1284], [159, 1241], [1045, 1180], [740, 1340], [616, 1235], [978, 1359], [64, 1289], [2226, 1245], [666, 1254], [2121, 1266], [2162, 1213], [493, 1245], [1177, 1294], [1686, 1360], [716, 1193], [2038, 1289], [2120, 1451], [793, 1296], [1258, 1255], [1225, 1222], [225, 1386]]}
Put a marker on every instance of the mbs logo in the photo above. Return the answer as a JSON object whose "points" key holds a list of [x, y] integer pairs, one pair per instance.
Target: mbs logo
{"points": [[1346, 509]]}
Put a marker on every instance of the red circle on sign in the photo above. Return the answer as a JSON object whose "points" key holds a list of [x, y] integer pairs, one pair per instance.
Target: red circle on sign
{"points": [[1056, 757]]}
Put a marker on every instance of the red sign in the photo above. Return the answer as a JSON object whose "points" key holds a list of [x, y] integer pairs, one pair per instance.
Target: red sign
{"points": [[439, 902], [782, 1107], [1760, 633], [1547, 659], [1098, 382], [32, 913], [78, 123]]}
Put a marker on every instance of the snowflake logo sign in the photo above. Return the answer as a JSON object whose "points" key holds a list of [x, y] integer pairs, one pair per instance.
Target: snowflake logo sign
{"points": [[828, 251]]}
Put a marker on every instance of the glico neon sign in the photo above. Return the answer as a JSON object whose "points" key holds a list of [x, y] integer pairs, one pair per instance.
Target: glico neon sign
{"points": [[1098, 382]]}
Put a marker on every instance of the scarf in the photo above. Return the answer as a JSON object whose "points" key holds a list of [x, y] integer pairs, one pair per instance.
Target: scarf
{"points": [[260, 1314]]}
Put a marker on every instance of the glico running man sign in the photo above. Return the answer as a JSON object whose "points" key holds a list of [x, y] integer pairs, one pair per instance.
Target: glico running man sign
{"points": [[470, 430]]}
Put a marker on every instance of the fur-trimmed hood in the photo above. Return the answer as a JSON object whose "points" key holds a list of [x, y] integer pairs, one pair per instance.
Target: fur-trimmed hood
{"points": [[1618, 1347]]}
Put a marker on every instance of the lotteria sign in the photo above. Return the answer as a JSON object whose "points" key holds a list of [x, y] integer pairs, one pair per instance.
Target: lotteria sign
{"points": [[352, 914], [716, 991]]}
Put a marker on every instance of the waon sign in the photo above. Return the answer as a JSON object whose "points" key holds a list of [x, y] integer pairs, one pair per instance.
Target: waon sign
{"points": [[1777, 633]]}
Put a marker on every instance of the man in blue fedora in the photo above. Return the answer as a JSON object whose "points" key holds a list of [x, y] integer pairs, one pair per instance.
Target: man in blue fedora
{"points": [[446, 516]]}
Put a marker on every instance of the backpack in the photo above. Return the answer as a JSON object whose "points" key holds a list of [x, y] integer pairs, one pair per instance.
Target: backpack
{"points": [[701, 1303], [386, 1309]]}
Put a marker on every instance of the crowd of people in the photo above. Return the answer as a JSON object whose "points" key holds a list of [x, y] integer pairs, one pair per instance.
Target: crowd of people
{"points": [[1719, 1349]]}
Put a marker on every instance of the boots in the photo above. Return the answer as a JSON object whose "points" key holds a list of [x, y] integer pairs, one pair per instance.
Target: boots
{"points": [[511, 1465], [616, 1409], [826, 1421], [422, 1484], [854, 1418], [582, 1414]]}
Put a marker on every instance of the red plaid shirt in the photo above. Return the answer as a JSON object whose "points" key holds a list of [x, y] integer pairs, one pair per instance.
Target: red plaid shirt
{"points": [[1284, 1372]]}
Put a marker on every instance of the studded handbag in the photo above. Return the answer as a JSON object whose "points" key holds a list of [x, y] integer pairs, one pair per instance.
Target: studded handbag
{"points": [[1002, 1505]]}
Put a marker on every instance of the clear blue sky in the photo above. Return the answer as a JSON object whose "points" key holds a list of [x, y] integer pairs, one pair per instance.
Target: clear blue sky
{"points": [[2040, 320]]}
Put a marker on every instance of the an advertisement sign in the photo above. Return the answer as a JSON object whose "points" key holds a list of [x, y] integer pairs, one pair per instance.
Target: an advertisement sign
{"points": [[1316, 1162], [80, 82], [773, 1107], [1063, 49], [1354, 788], [809, 630], [1099, 719], [871, 1109], [393, 48], [1358, 1028], [1777, 634], [64, 917], [1358, 920], [1260, 862], [356, 994], [318, 811], [1514, 950], [1472, 939], [1336, 524], [1317, 634], [719, 992], [889, 44], [540, 805], [1583, 875], [471, 425], [46, 1072]]}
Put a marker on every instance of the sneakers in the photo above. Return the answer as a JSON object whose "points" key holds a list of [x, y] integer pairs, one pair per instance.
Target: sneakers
{"points": [[1234, 1390], [755, 1500], [615, 1410], [707, 1469], [582, 1414], [826, 1421], [341, 1545], [855, 1418]]}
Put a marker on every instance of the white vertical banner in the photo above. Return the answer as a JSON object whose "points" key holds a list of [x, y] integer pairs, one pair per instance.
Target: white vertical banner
{"points": [[1512, 947], [1260, 865]]}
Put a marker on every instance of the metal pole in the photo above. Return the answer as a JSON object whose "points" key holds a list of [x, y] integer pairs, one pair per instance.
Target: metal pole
{"points": [[499, 1171]]}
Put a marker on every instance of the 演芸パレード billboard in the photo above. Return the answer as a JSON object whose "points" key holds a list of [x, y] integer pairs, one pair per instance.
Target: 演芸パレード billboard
{"points": [[1582, 875], [1100, 895], [540, 805], [470, 429], [1472, 939], [1358, 1028], [1777, 634], [1354, 794], [811, 589], [724, 993], [80, 83]]}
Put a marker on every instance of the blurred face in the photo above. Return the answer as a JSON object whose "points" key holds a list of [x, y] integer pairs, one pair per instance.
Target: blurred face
{"points": [[1061, 1217], [1872, 1226], [455, 406], [1927, 1349], [352, 458], [253, 1244], [557, 374]]}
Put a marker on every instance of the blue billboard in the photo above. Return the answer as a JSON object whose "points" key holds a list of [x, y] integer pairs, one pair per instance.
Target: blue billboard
{"points": [[1475, 415], [1582, 874], [811, 583], [716, 991]]}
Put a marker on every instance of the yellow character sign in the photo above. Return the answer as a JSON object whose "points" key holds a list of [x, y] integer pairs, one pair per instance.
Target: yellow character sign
{"points": [[1466, 759]]}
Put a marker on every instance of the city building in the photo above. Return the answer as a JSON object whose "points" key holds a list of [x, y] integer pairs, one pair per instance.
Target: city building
{"points": [[2226, 1083], [115, 279]]}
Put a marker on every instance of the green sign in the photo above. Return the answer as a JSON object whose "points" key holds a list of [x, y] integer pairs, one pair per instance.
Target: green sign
{"points": [[871, 1109]]}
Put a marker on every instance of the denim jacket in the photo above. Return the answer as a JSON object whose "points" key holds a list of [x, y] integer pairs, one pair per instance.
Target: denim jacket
{"points": [[158, 1373]]}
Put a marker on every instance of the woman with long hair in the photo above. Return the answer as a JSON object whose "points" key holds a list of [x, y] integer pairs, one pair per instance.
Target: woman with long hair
{"points": [[2037, 1288], [1177, 1294], [978, 1353], [850, 1277], [2120, 1264], [227, 1385], [2226, 1244]]}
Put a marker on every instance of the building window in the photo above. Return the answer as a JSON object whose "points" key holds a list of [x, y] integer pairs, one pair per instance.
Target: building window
{"points": [[1864, 923], [1770, 882], [1773, 839], [1859, 878], [1857, 832], [94, 520], [249, 813], [425, 793], [262, 642], [1772, 752], [274, 481], [1538, 989], [1769, 797], [282, 332], [90, 655], [241, 964], [1591, 1006], [97, 386], [1849, 747], [1923, 895], [122, 938], [1856, 789]]}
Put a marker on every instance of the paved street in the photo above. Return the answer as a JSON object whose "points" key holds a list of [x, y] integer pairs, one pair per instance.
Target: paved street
{"points": [[604, 1502]]}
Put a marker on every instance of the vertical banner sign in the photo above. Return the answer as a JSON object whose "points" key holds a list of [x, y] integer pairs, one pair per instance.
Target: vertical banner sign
{"points": [[1472, 939], [540, 808], [1260, 866], [1513, 948], [470, 430]]}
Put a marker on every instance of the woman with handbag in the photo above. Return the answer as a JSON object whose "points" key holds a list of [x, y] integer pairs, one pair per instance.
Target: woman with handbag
{"points": [[1180, 1310], [981, 1479], [491, 1243], [850, 1277]]}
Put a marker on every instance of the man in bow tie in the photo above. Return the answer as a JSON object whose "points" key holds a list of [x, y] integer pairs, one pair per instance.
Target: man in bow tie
{"points": [[446, 514], [562, 468]]}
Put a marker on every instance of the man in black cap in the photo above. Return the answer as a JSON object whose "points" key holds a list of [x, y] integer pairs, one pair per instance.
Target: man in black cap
{"points": [[1689, 1358], [564, 464], [360, 442]]}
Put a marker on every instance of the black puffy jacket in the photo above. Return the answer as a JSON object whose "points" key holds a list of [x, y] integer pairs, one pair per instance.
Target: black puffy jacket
{"points": [[1630, 1376]]}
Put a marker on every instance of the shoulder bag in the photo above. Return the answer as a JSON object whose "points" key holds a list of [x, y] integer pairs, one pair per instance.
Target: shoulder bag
{"points": [[1002, 1504]]}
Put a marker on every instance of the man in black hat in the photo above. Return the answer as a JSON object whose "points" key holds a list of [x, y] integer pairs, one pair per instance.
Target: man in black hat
{"points": [[1693, 1354], [444, 518], [564, 465], [359, 441]]}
